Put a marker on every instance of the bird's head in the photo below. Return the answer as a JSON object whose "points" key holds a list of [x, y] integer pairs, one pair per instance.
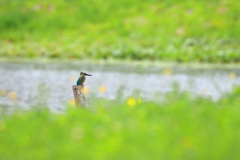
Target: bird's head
{"points": [[84, 74]]}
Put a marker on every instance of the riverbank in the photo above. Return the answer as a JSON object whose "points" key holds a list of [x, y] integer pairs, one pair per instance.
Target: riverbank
{"points": [[124, 63], [200, 31]]}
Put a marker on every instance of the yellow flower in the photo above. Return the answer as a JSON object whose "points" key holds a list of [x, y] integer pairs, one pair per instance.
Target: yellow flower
{"points": [[72, 78], [86, 90], [167, 72], [71, 101], [102, 89], [131, 102], [13, 95], [232, 75], [2, 93]]}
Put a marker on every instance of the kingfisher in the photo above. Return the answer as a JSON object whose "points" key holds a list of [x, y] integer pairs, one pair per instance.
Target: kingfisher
{"points": [[82, 78]]}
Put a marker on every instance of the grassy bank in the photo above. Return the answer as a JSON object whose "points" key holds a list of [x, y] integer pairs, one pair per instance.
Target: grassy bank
{"points": [[187, 31], [179, 128]]}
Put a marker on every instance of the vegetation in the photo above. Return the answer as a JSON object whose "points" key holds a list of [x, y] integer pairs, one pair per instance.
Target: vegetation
{"points": [[181, 127], [184, 31]]}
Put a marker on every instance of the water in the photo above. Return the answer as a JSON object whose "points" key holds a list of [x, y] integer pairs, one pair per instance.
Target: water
{"points": [[51, 83]]}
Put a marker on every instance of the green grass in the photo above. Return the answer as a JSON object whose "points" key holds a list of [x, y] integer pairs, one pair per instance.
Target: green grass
{"points": [[186, 31], [182, 127]]}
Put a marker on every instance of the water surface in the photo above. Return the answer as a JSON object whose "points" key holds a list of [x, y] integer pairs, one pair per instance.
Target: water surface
{"points": [[51, 83]]}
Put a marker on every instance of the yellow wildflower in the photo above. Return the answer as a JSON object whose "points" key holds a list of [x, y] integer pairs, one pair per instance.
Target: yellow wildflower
{"points": [[72, 78], [2, 93], [12, 95], [131, 102], [232, 75], [86, 90], [167, 72], [102, 89], [71, 101]]}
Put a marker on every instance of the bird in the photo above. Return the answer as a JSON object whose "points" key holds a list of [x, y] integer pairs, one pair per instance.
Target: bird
{"points": [[82, 78]]}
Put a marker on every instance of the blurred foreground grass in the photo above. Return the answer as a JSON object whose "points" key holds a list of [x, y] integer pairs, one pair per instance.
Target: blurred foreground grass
{"points": [[181, 127], [168, 30]]}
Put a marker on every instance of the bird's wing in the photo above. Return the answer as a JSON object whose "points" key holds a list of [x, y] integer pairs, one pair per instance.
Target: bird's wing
{"points": [[80, 80]]}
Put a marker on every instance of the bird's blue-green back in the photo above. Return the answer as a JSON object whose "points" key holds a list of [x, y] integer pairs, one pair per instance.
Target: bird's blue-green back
{"points": [[81, 80]]}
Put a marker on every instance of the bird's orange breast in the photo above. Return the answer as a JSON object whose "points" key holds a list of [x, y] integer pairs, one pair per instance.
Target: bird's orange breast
{"points": [[84, 78]]}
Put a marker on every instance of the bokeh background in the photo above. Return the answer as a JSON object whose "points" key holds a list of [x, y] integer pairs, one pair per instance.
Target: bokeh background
{"points": [[165, 81], [169, 30]]}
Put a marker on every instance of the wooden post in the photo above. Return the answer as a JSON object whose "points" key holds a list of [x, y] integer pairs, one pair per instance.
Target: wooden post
{"points": [[78, 95]]}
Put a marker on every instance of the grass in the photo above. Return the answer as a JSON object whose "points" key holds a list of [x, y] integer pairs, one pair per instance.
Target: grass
{"points": [[187, 31], [181, 127]]}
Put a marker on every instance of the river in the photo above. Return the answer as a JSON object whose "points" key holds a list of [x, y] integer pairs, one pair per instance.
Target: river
{"points": [[44, 83]]}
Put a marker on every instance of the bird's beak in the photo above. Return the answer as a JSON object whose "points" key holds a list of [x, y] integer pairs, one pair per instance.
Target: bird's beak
{"points": [[88, 75]]}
